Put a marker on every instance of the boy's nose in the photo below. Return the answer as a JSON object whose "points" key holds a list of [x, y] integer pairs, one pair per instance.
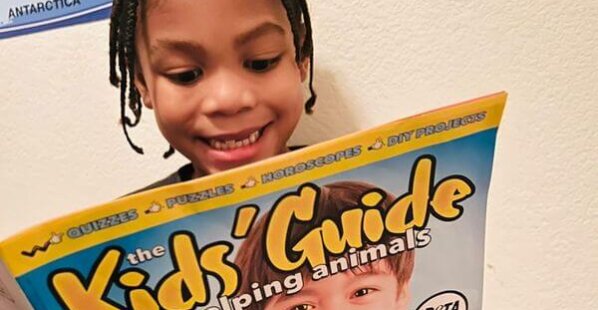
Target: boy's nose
{"points": [[228, 94]]}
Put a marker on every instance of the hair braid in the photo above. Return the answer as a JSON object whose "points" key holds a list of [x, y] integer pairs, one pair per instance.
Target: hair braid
{"points": [[294, 19], [126, 23], [114, 29], [295, 10], [134, 102], [308, 49]]}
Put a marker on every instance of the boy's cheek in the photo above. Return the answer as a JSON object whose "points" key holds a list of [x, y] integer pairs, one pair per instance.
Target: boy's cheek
{"points": [[290, 74], [282, 91], [173, 104]]}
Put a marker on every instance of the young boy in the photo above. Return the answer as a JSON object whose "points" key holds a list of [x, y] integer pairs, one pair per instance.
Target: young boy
{"points": [[381, 284], [223, 77]]}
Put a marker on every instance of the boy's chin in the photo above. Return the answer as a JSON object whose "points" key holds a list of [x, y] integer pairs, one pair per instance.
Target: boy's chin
{"points": [[229, 166], [221, 166]]}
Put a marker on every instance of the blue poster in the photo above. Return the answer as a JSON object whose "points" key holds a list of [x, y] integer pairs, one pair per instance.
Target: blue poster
{"points": [[19, 17]]}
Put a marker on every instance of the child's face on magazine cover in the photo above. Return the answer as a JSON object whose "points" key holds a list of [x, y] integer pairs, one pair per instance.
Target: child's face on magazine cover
{"points": [[376, 288], [221, 77]]}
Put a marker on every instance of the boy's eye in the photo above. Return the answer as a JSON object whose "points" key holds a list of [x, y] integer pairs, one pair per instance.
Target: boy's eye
{"points": [[302, 307], [362, 292], [186, 77], [261, 65]]}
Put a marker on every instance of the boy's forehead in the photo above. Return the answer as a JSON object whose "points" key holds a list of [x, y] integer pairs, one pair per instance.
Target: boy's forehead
{"points": [[218, 7], [197, 19]]}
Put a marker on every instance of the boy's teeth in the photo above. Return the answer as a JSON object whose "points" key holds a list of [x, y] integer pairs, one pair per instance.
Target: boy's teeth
{"points": [[234, 144]]}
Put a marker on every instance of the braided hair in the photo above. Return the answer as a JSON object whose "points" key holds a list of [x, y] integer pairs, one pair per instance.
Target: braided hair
{"points": [[123, 23]]}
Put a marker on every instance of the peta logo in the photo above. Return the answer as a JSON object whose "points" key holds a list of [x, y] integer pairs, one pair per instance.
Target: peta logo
{"points": [[447, 300]]}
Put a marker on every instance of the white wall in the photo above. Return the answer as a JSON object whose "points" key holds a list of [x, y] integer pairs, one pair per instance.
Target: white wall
{"points": [[61, 147]]}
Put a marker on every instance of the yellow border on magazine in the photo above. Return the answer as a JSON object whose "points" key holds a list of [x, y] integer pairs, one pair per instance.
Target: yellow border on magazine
{"points": [[18, 264]]}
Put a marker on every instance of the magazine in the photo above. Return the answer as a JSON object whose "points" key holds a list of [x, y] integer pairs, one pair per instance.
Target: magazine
{"points": [[388, 218]]}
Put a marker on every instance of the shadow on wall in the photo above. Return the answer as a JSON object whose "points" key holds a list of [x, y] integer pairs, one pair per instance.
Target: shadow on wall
{"points": [[334, 114]]}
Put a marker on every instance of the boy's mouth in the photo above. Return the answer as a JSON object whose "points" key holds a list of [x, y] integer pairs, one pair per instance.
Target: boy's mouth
{"points": [[235, 141]]}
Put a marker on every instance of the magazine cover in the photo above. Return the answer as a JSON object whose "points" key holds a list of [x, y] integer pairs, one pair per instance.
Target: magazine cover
{"points": [[388, 218]]}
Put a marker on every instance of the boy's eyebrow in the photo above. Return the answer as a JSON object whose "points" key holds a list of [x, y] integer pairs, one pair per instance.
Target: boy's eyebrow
{"points": [[258, 31], [176, 45], [307, 292], [372, 271]]}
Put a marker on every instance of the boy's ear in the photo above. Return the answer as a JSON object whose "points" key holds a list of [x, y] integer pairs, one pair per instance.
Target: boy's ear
{"points": [[304, 63], [304, 68], [141, 86]]}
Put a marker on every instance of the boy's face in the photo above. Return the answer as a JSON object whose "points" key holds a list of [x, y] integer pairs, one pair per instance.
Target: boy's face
{"points": [[221, 78], [369, 289]]}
